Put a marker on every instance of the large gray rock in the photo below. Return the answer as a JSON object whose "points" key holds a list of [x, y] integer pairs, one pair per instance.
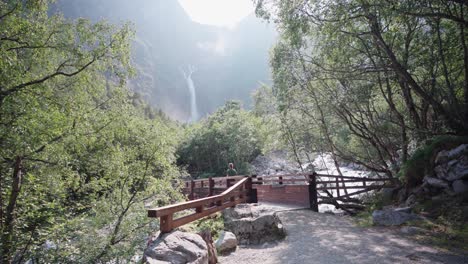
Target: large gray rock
{"points": [[177, 247], [460, 186], [226, 243], [438, 183], [253, 226], [452, 164], [392, 217]]}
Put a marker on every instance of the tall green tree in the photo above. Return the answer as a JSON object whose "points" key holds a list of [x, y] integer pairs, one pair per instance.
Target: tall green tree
{"points": [[230, 135], [78, 161], [372, 76]]}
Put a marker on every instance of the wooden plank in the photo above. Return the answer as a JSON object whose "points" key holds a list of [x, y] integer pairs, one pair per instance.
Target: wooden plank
{"points": [[356, 180], [190, 218], [158, 212], [363, 191], [348, 187]]}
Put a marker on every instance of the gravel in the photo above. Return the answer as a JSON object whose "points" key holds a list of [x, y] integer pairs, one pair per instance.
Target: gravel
{"points": [[324, 238]]}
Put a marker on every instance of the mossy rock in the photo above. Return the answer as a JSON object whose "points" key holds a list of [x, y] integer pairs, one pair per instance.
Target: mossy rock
{"points": [[421, 162]]}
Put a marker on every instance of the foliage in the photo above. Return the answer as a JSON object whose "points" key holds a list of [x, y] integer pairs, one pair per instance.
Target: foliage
{"points": [[78, 160], [365, 80], [230, 135], [213, 223]]}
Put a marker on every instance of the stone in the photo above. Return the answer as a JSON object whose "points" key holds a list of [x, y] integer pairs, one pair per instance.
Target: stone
{"points": [[441, 171], [177, 247], [413, 230], [442, 157], [452, 165], [411, 201], [460, 186], [257, 230], [457, 152], [392, 217], [226, 243], [253, 226], [438, 183]]}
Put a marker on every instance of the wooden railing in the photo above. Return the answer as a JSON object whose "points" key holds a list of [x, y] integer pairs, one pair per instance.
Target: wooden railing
{"points": [[238, 193], [336, 184], [240, 189], [209, 186]]}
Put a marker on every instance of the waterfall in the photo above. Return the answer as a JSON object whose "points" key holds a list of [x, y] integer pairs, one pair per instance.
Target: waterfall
{"points": [[193, 97]]}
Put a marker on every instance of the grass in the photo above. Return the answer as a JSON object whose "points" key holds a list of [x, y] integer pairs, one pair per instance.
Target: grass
{"points": [[444, 233], [213, 223]]}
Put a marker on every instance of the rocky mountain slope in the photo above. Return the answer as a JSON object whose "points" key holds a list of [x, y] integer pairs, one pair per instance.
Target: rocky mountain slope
{"points": [[229, 63]]}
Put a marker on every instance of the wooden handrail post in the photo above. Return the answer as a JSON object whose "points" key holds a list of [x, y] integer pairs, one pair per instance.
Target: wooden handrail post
{"points": [[165, 223], [211, 184], [337, 187], [313, 192], [251, 192], [229, 182], [192, 187]]}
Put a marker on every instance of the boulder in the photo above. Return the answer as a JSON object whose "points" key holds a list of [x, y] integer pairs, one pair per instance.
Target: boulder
{"points": [[460, 186], [177, 247], [392, 217], [253, 226], [411, 201], [452, 164], [226, 243], [438, 183]]}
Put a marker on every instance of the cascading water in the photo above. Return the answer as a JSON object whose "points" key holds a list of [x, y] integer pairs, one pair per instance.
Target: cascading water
{"points": [[193, 98]]}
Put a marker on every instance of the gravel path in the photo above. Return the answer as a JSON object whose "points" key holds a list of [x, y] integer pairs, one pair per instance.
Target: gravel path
{"points": [[324, 238]]}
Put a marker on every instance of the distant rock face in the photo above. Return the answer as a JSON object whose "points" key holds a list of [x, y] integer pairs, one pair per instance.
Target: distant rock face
{"points": [[177, 247], [251, 226], [393, 217], [274, 163], [226, 243]]}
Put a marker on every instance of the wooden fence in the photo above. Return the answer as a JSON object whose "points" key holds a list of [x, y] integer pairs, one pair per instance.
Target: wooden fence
{"points": [[212, 195], [240, 192]]}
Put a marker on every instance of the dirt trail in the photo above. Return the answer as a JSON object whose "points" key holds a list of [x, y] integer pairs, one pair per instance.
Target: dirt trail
{"points": [[324, 238]]}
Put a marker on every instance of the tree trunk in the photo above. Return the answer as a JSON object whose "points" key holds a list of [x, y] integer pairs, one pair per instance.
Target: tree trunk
{"points": [[10, 214]]}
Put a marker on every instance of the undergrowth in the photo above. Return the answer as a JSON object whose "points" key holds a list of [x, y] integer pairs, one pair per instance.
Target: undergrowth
{"points": [[214, 223], [421, 162]]}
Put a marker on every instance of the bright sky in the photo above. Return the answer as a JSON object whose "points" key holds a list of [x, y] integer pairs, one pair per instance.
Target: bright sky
{"points": [[225, 13]]}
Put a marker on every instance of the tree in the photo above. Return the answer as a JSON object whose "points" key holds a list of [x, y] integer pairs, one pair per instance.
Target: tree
{"points": [[76, 157], [372, 76], [231, 134]]}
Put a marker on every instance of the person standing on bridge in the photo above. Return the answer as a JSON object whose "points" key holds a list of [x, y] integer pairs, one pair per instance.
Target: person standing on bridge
{"points": [[231, 171]]}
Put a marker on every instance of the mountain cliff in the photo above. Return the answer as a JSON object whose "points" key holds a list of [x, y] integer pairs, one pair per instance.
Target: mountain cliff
{"points": [[228, 63]]}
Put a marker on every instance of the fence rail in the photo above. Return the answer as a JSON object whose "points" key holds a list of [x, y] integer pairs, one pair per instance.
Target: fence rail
{"points": [[238, 193], [212, 195]]}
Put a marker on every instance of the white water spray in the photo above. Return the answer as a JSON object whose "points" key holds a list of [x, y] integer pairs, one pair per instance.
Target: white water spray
{"points": [[193, 98]]}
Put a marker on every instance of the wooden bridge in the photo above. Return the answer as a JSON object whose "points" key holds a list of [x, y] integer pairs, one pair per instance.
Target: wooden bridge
{"points": [[211, 195]]}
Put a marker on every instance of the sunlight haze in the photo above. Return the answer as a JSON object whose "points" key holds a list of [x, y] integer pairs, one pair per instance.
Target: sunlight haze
{"points": [[224, 13]]}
